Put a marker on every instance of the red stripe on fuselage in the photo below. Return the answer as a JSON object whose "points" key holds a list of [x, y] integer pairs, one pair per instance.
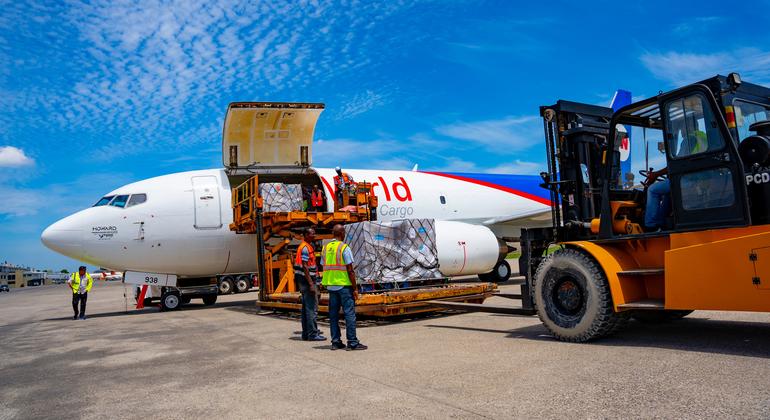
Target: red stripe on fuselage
{"points": [[328, 186], [495, 186]]}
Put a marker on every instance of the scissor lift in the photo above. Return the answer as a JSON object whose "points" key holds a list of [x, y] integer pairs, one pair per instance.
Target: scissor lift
{"points": [[275, 231]]}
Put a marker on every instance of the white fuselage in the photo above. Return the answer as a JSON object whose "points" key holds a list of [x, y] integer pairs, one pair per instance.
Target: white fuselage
{"points": [[183, 226]]}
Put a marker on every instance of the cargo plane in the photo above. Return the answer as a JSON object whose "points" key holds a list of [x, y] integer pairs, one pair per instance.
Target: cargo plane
{"points": [[179, 223]]}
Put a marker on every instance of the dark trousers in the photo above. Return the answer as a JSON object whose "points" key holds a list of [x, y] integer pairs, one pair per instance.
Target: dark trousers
{"points": [[77, 297], [309, 315], [343, 299]]}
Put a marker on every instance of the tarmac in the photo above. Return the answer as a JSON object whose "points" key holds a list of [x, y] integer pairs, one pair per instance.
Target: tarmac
{"points": [[231, 361]]}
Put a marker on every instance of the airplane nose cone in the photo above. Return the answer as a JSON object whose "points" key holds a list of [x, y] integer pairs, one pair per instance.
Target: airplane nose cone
{"points": [[63, 238]]}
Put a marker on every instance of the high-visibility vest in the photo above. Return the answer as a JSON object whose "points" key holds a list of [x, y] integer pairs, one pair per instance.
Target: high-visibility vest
{"points": [[316, 199], [335, 271], [345, 179], [312, 267], [76, 282], [701, 142]]}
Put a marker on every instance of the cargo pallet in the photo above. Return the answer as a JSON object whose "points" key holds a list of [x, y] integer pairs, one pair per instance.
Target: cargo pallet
{"points": [[274, 232]]}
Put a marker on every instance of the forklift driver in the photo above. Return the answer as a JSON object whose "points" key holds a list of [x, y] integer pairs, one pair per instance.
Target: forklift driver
{"points": [[659, 193]]}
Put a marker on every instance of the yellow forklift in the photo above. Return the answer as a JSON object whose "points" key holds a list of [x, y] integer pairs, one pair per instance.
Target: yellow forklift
{"points": [[688, 229]]}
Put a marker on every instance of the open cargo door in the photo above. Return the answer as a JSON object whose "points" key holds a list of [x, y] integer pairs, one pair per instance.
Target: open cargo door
{"points": [[274, 136]]}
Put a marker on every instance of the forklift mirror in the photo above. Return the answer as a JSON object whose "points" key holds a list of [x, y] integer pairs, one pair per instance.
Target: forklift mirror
{"points": [[661, 147]]}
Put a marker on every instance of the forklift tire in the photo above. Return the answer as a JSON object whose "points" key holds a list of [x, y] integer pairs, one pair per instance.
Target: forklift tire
{"points": [[209, 300], [226, 285], [243, 284], [170, 301], [658, 317], [501, 273], [573, 297]]}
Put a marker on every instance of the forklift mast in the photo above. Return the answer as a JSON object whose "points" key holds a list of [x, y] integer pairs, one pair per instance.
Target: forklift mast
{"points": [[576, 142]]}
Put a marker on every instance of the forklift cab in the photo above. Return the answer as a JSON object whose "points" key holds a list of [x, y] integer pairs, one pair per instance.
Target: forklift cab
{"points": [[714, 251], [708, 135]]}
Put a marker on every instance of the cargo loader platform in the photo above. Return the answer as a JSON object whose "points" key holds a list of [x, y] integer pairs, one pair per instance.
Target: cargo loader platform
{"points": [[276, 232], [395, 302]]}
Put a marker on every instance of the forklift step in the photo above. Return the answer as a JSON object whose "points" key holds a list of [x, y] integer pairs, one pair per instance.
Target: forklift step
{"points": [[644, 304], [642, 272]]}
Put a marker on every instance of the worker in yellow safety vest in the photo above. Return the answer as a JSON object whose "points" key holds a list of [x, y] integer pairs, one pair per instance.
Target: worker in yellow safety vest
{"points": [[340, 280], [80, 283]]}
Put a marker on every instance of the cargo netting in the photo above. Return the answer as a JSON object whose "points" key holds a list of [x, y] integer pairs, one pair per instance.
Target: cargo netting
{"points": [[278, 197], [393, 255]]}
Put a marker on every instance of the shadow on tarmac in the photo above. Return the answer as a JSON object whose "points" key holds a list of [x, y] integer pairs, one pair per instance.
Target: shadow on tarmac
{"points": [[156, 308], [742, 338], [362, 321]]}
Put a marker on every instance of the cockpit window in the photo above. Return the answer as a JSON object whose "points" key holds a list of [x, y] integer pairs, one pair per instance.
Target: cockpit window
{"points": [[119, 201], [104, 201], [136, 199]]}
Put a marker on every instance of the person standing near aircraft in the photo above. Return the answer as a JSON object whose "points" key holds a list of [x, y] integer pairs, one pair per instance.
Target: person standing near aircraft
{"points": [[80, 283], [340, 280], [305, 274], [342, 183], [316, 199]]}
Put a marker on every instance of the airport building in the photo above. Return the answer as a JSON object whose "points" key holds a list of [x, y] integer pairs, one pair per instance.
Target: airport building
{"points": [[17, 276]]}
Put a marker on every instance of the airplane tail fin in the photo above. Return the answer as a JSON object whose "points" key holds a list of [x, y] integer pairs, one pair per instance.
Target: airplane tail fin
{"points": [[619, 100]]}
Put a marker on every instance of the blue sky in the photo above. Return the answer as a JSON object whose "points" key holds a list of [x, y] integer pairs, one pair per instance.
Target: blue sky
{"points": [[95, 95]]}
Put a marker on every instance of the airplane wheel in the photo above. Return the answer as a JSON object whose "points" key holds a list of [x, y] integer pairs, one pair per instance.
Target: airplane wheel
{"points": [[170, 301], [209, 300], [226, 285], [573, 297], [501, 273], [243, 284]]}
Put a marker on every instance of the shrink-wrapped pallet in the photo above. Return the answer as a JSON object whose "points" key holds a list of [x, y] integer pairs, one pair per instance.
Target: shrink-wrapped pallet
{"points": [[394, 254], [278, 197]]}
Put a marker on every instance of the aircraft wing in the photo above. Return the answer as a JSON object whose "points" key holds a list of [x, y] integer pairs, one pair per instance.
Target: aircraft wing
{"points": [[535, 218]]}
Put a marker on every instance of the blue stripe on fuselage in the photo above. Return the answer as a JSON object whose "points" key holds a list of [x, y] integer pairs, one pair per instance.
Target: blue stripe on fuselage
{"points": [[529, 184]]}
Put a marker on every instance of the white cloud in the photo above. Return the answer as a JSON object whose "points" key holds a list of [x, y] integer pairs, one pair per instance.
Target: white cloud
{"points": [[508, 134], [517, 166], [59, 198], [17, 202], [361, 103], [145, 75], [13, 157], [680, 68], [697, 24], [357, 153]]}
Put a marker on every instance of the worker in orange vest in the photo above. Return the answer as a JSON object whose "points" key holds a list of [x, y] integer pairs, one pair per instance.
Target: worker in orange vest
{"points": [[342, 183], [305, 274], [316, 199]]}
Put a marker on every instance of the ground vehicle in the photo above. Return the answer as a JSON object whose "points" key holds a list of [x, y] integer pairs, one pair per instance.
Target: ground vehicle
{"points": [[171, 298], [714, 251], [235, 283], [4, 288]]}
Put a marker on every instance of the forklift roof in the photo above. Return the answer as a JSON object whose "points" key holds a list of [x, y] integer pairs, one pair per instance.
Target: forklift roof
{"points": [[646, 113]]}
